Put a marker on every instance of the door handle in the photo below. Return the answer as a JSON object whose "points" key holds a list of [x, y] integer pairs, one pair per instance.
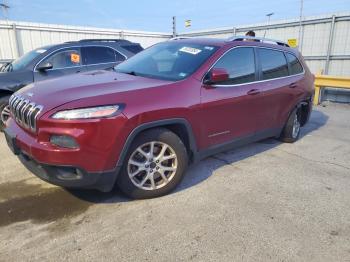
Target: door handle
{"points": [[293, 85], [253, 92]]}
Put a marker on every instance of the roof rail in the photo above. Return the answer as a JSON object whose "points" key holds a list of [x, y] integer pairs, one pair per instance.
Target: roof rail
{"points": [[257, 39], [99, 40], [179, 38]]}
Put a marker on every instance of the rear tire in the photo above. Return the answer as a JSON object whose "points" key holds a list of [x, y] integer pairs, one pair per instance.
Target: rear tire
{"points": [[4, 111], [291, 131], [154, 165]]}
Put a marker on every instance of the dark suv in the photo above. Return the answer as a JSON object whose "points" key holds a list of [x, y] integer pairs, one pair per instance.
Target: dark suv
{"points": [[58, 60], [175, 103]]}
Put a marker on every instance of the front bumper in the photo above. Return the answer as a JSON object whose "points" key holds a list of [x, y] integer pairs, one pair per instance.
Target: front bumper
{"points": [[70, 177], [91, 166], [65, 176]]}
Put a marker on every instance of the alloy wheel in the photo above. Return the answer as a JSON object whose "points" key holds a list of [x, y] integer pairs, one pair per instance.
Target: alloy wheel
{"points": [[152, 165], [296, 126], [5, 114]]}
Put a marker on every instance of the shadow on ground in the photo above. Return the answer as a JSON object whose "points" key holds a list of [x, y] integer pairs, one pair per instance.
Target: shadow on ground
{"points": [[32, 202]]}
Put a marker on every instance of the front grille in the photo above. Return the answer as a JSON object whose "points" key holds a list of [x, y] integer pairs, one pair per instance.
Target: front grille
{"points": [[24, 112]]}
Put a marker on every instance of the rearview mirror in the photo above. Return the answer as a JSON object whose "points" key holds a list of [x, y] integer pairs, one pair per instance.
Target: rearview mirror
{"points": [[45, 66], [216, 76]]}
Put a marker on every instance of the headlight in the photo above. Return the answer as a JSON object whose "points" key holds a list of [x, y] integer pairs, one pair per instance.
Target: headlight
{"points": [[87, 113]]}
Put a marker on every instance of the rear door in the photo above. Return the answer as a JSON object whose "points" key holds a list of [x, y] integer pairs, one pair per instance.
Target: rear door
{"points": [[64, 61], [101, 57], [231, 109], [278, 88]]}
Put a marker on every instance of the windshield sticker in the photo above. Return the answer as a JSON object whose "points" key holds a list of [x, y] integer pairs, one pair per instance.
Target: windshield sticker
{"points": [[182, 74], [75, 58], [190, 50], [40, 51]]}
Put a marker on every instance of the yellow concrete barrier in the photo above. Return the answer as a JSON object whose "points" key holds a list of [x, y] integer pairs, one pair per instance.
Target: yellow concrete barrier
{"points": [[322, 81]]}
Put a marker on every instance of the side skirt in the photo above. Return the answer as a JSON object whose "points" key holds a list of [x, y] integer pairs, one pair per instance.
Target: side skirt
{"points": [[238, 142]]}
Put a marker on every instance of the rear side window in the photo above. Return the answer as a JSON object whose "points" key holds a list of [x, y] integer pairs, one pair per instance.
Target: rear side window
{"points": [[99, 55], [294, 64], [133, 48], [119, 57], [240, 64], [273, 64]]}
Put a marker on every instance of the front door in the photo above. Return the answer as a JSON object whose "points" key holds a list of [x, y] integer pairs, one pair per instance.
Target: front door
{"points": [[64, 62], [231, 109]]}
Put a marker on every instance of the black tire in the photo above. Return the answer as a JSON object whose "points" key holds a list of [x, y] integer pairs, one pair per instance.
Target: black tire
{"points": [[162, 135], [3, 103], [291, 130]]}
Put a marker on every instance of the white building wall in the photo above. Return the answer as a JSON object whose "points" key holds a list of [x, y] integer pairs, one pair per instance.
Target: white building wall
{"points": [[315, 39], [33, 35], [314, 44]]}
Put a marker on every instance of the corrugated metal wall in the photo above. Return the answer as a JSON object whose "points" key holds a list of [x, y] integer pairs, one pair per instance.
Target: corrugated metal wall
{"points": [[17, 38], [316, 32]]}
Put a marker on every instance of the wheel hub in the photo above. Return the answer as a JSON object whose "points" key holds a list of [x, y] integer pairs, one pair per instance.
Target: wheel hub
{"points": [[152, 165]]}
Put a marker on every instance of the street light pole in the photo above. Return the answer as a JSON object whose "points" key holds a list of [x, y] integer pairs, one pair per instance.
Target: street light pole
{"points": [[174, 26], [268, 22], [300, 22]]}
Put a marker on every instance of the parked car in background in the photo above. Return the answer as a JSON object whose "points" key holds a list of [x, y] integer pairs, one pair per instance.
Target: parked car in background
{"points": [[174, 103], [58, 60]]}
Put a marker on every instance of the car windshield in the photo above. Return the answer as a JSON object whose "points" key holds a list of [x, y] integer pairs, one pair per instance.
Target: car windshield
{"points": [[23, 61], [169, 60]]}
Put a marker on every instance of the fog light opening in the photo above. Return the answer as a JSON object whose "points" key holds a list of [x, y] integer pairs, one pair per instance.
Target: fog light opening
{"points": [[64, 141], [69, 174]]}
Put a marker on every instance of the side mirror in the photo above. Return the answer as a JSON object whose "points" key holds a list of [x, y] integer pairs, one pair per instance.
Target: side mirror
{"points": [[215, 76], [44, 66]]}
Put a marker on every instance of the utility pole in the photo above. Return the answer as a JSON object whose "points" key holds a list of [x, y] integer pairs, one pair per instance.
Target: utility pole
{"points": [[5, 7], [300, 23], [174, 26], [268, 22]]}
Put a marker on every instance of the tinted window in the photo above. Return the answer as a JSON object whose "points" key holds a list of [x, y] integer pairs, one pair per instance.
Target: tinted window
{"points": [[273, 63], [26, 59], [133, 48], [64, 58], [295, 66], [240, 65], [99, 55], [171, 60], [119, 57]]}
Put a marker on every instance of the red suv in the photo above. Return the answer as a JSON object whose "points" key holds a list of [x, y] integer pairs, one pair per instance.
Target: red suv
{"points": [[173, 104]]}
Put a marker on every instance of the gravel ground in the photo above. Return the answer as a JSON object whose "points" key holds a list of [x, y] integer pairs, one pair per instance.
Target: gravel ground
{"points": [[267, 201]]}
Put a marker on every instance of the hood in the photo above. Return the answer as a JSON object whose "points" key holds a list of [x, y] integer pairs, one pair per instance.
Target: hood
{"points": [[12, 81], [59, 91]]}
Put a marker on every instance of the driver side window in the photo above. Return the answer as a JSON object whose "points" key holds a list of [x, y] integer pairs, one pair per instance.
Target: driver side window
{"points": [[64, 58], [240, 65]]}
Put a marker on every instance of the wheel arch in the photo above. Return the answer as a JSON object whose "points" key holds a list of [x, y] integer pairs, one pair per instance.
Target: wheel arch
{"points": [[5, 92], [180, 126]]}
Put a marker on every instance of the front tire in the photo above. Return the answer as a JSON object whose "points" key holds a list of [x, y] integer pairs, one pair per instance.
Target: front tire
{"points": [[291, 131], [154, 164], [4, 111]]}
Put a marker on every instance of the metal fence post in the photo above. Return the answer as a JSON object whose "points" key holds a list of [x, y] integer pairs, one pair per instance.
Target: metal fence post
{"points": [[330, 44], [15, 36]]}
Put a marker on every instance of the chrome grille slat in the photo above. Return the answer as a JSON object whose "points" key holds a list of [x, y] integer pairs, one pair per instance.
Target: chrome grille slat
{"points": [[24, 112]]}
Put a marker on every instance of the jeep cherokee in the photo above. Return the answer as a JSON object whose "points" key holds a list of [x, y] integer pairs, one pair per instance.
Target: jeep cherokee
{"points": [[170, 105]]}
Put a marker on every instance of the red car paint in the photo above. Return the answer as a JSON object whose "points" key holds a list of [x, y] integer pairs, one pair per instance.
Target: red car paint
{"points": [[215, 115]]}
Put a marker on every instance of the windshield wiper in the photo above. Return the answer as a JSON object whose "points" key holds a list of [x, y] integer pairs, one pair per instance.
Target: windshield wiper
{"points": [[133, 73]]}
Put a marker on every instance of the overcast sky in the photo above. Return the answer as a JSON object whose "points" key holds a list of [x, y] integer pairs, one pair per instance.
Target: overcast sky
{"points": [[155, 15]]}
